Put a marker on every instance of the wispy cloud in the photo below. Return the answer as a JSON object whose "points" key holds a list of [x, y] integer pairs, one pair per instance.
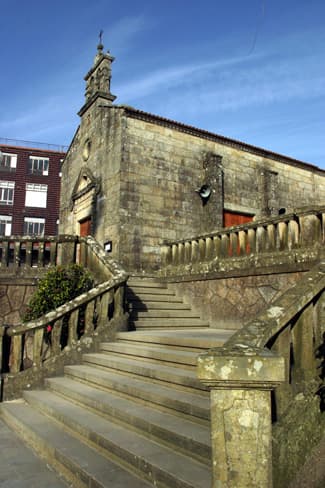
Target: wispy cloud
{"points": [[229, 84], [124, 30]]}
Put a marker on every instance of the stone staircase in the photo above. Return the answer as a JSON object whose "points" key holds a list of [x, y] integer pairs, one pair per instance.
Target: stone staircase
{"points": [[134, 413], [155, 305]]}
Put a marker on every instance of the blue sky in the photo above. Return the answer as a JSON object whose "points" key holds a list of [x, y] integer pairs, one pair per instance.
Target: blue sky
{"points": [[251, 70]]}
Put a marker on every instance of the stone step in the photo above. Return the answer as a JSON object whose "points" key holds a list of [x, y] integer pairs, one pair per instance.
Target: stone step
{"points": [[147, 368], [159, 305], [150, 459], [81, 465], [21, 467], [204, 338], [145, 283], [143, 291], [179, 433], [150, 351], [175, 323], [169, 397], [166, 314], [153, 297]]}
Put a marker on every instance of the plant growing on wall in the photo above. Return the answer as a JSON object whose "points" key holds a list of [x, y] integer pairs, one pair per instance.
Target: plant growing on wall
{"points": [[60, 284]]}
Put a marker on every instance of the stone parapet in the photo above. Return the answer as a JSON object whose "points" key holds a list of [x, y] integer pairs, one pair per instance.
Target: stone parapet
{"points": [[290, 240], [276, 351]]}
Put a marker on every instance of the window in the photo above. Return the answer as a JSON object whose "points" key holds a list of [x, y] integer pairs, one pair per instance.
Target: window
{"points": [[8, 162], [7, 192], [38, 166], [36, 195], [34, 226], [5, 225]]}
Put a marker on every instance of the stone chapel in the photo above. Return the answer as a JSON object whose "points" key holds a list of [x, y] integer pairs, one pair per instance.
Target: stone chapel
{"points": [[133, 179]]}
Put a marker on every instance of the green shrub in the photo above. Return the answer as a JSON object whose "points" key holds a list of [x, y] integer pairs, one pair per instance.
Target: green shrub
{"points": [[60, 284]]}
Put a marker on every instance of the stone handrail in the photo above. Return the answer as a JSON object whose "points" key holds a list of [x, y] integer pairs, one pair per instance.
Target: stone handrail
{"points": [[31, 350], [277, 348], [304, 228]]}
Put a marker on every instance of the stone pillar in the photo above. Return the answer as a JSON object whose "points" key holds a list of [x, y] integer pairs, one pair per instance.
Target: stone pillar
{"points": [[212, 211], [241, 385]]}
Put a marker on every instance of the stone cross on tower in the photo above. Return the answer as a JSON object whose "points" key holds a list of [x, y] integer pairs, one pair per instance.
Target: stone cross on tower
{"points": [[98, 78]]}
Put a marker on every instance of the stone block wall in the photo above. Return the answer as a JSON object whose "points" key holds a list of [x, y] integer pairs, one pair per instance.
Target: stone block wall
{"points": [[14, 297], [230, 302]]}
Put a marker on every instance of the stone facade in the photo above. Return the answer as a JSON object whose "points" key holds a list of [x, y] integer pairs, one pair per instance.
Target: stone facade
{"points": [[147, 170]]}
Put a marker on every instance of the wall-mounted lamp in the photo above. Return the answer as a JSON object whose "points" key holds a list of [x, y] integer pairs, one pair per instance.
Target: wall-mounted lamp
{"points": [[204, 192]]}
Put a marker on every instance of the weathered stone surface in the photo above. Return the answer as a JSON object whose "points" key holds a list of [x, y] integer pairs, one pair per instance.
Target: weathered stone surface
{"points": [[16, 296], [234, 301], [241, 418]]}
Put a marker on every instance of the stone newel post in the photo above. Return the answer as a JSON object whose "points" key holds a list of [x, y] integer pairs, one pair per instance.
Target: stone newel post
{"points": [[241, 382]]}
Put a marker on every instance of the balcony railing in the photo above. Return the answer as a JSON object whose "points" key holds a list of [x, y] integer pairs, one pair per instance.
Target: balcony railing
{"points": [[284, 234]]}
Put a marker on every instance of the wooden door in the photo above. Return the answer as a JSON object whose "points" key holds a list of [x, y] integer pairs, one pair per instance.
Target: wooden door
{"points": [[234, 218], [85, 227]]}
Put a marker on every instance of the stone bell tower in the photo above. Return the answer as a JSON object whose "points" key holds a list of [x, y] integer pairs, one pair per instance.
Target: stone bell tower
{"points": [[98, 79]]}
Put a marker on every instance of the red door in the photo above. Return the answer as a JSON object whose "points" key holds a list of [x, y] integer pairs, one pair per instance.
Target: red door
{"points": [[233, 218], [85, 227]]}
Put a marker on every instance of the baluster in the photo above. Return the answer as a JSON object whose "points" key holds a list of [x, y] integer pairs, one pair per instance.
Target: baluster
{"points": [[260, 239], [73, 327], [105, 300], [119, 301], [282, 236], [217, 246], [89, 317], [202, 249], [37, 346], [251, 246], [194, 251], [40, 261], [5, 253], [16, 353], [270, 238], [224, 247], [29, 245], [181, 253], [242, 242], [233, 244], [293, 234], [209, 248], [175, 254], [56, 337], [53, 253], [187, 252], [17, 245]]}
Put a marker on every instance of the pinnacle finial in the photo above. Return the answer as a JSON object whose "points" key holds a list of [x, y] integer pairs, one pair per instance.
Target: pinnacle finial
{"points": [[100, 46]]}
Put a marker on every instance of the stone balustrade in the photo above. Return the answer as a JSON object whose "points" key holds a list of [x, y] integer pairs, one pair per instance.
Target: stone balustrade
{"points": [[284, 234], [276, 351], [25, 252], [41, 347]]}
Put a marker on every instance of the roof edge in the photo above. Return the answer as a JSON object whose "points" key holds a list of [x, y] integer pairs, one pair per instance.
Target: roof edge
{"points": [[139, 114]]}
